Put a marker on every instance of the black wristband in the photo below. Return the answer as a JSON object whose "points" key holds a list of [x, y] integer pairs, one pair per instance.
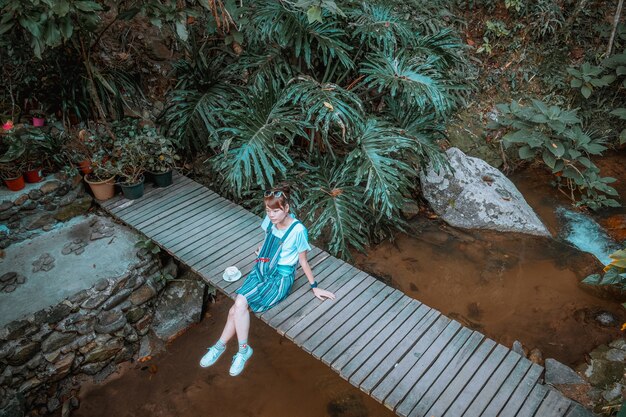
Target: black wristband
{"points": [[314, 285]]}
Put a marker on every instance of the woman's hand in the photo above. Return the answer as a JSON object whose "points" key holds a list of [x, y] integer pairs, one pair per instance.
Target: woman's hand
{"points": [[323, 294]]}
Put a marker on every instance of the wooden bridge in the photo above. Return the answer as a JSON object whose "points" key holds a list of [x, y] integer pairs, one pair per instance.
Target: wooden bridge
{"points": [[406, 355]]}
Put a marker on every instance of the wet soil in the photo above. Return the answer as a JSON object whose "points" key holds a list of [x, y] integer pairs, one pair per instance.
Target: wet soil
{"points": [[279, 380], [508, 286]]}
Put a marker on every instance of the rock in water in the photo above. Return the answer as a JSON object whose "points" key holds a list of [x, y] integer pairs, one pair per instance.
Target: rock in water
{"points": [[179, 307], [557, 373], [475, 195]]}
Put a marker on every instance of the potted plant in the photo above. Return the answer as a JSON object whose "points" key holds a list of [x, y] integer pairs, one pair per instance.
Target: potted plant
{"points": [[162, 156], [39, 117], [11, 150], [101, 179], [39, 145], [131, 165], [78, 149]]}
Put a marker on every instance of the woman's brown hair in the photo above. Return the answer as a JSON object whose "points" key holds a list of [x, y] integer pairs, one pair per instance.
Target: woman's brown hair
{"points": [[274, 202]]}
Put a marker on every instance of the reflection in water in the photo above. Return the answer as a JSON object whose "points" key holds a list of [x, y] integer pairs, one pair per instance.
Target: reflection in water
{"points": [[587, 235]]}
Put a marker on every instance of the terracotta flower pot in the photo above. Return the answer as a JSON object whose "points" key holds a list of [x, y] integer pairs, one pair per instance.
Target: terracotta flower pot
{"points": [[15, 184], [33, 175], [102, 190]]}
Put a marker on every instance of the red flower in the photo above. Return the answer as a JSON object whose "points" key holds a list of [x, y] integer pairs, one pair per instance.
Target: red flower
{"points": [[8, 125]]}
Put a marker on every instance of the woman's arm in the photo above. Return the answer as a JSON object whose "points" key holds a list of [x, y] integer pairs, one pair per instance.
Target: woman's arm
{"points": [[319, 293]]}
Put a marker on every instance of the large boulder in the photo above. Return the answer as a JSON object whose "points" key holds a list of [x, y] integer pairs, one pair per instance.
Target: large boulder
{"points": [[475, 195], [179, 306]]}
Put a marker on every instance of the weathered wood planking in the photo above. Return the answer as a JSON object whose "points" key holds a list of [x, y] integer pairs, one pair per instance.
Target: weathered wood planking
{"points": [[409, 357]]}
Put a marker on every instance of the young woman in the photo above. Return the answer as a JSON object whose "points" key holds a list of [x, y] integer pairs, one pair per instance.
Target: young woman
{"points": [[286, 244]]}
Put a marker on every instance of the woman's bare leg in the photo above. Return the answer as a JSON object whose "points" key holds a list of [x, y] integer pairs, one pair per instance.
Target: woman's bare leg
{"points": [[242, 318], [229, 327]]}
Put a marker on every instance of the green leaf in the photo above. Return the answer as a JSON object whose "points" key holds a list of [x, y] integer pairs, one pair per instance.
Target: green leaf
{"points": [[548, 159], [557, 148], [619, 112], [88, 6], [622, 137], [526, 153], [314, 14], [5, 27], [576, 83], [61, 7], [585, 91], [181, 30]]}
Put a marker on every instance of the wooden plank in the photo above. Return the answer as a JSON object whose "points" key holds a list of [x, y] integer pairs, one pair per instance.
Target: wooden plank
{"points": [[474, 385], [401, 307], [298, 307], [404, 355], [178, 208], [429, 390], [394, 347], [199, 226], [184, 197], [354, 358], [338, 282], [428, 367], [224, 229], [453, 389], [360, 285], [243, 233], [188, 220], [149, 190], [533, 401], [197, 249], [554, 405], [125, 206], [521, 391], [192, 219], [484, 397], [359, 307], [323, 269], [506, 389], [321, 343]]}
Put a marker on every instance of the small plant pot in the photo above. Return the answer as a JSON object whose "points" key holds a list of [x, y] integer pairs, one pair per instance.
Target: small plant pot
{"points": [[162, 179], [33, 175], [15, 184], [39, 121], [102, 190], [85, 166], [133, 191]]}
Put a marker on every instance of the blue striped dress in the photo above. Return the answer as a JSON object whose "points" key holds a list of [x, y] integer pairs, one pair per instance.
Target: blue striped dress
{"points": [[273, 275]]}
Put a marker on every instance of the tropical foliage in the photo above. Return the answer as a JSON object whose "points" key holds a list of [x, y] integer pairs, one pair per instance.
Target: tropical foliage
{"points": [[614, 273], [556, 136], [349, 105]]}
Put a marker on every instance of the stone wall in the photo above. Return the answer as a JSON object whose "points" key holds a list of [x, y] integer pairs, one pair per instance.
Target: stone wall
{"points": [[39, 207], [43, 354]]}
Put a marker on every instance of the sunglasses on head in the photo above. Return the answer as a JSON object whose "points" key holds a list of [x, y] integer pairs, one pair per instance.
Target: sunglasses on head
{"points": [[272, 193]]}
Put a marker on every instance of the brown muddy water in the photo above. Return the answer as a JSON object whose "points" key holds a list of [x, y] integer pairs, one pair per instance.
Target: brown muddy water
{"points": [[509, 286], [279, 380]]}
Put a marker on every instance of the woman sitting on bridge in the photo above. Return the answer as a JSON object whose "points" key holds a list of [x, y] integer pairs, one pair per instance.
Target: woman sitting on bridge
{"points": [[286, 244]]}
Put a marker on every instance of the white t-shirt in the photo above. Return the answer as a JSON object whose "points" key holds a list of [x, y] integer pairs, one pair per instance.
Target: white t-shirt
{"points": [[296, 242]]}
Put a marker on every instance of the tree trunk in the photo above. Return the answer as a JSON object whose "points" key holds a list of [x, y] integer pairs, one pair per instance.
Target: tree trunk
{"points": [[618, 13]]}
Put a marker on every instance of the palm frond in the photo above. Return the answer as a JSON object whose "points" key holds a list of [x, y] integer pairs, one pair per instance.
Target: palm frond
{"points": [[377, 26], [194, 110], [274, 23], [379, 160], [267, 69], [326, 106], [258, 133], [444, 44], [335, 207], [415, 82], [423, 129]]}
